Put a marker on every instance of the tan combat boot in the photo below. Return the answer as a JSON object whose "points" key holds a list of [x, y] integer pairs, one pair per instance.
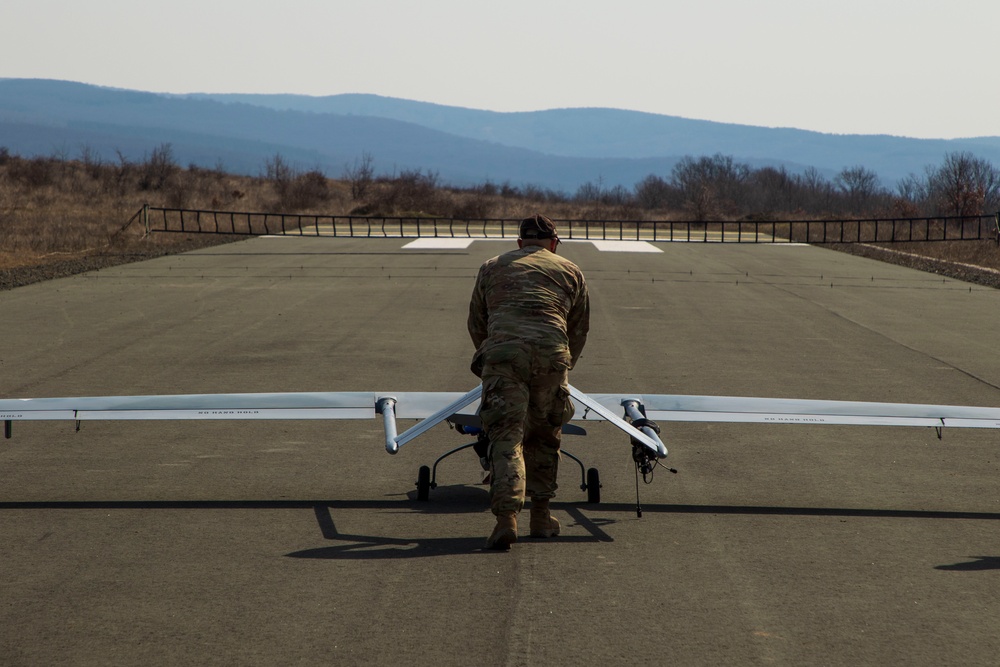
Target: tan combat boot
{"points": [[505, 533], [542, 523]]}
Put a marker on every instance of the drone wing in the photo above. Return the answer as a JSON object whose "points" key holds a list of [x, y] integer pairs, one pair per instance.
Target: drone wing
{"points": [[666, 407], [434, 407], [319, 405]]}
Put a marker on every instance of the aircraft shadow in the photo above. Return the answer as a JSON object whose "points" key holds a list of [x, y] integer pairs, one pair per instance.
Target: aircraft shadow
{"points": [[801, 511], [977, 564], [461, 499], [465, 499], [457, 499]]}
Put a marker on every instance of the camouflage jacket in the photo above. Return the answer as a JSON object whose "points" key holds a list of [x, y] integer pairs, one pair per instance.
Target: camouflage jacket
{"points": [[530, 295]]}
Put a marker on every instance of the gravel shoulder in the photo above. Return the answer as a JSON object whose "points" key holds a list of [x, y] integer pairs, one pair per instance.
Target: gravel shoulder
{"points": [[959, 271], [26, 275]]}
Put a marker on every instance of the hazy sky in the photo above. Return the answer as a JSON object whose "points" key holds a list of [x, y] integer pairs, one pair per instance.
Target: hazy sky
{"points": [[916, 68]]}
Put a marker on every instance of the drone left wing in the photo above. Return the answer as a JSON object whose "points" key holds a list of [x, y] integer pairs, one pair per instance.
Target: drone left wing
{"points": [[437, 406], [280, 405], [318, 405]]}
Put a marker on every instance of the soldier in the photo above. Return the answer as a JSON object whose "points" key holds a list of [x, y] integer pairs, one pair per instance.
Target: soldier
{"points": [[528, 319]]}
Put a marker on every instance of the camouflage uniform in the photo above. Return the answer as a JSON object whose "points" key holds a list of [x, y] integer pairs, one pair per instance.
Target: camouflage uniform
{"points": [[528, 318]]}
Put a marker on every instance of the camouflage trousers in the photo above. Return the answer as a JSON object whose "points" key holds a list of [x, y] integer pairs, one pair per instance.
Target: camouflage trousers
{"points": [[524, 406]]}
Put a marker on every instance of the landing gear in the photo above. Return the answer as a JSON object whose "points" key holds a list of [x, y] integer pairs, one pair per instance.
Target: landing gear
{"points": [[590, 480], [645, 462], [427, 477], [593, 486], [424, 484]]}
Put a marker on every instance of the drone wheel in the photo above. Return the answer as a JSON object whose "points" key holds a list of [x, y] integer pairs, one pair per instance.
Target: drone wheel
{"points": [[423, 483], [593, 486]]}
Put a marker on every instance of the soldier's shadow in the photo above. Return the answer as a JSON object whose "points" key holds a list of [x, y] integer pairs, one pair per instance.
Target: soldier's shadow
{"points": [[458, 499]]}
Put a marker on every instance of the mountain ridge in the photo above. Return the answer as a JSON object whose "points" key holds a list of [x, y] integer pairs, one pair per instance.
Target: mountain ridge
{"points": [[472, 123], [559, 149]]}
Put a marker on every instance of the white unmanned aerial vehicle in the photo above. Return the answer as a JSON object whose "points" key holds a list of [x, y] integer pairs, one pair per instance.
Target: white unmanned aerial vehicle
{"points": [[639, 414]]}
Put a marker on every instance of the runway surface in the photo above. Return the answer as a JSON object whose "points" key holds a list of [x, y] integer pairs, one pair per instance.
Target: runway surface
{"points": [[260, 543]]}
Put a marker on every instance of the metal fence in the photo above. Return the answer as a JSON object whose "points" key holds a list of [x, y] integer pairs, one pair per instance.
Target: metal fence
{"points": [[881, 230]]}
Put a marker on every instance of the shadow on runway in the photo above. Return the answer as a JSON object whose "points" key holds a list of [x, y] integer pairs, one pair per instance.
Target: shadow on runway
{"points": [[977, 564], [457, 499], [371, 547], [802, 511], [464, 499], [461, 499]]}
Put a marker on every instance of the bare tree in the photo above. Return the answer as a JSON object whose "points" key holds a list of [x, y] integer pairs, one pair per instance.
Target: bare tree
{"points": [[589, 193], [92, 162], [278, 170], [912, 189], [360, 176], [158, 168], [653, 192], [860, 186], [772, 189], [964, 185], [710, 185]]}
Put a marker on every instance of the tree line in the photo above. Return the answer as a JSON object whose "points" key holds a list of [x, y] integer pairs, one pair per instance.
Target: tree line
{"points": [[717, 187]]}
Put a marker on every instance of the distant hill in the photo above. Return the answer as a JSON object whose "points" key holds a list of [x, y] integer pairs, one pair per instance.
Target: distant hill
{"points": [[610, 133], [559, 149]]}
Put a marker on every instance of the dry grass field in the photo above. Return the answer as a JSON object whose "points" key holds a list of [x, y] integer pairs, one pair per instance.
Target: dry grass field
{"points": [[57, 210], [59, 217]]}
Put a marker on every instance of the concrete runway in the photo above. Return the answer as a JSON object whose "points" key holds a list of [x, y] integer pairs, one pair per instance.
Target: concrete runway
{"points": [[246, 543]]}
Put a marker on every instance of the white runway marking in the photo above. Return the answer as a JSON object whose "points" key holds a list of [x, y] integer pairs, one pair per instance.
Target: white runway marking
{"points": [[462, 244], [438, 244], [625, 246]]}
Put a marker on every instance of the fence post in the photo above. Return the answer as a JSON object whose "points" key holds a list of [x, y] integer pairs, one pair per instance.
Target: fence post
{"points": [[145, 217]]}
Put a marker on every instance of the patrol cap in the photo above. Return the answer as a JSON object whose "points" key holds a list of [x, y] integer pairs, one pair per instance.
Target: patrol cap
{"points": [[538, 227]]}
